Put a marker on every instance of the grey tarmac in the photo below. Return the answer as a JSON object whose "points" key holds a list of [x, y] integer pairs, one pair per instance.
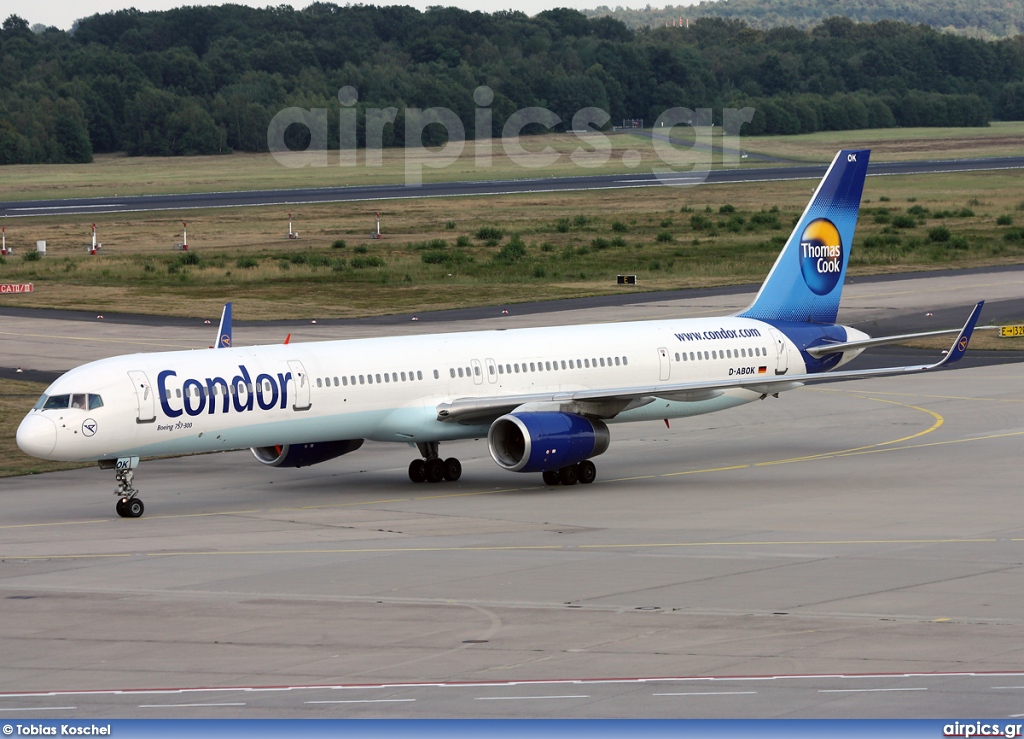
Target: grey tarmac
{"points": [[852, 550]]}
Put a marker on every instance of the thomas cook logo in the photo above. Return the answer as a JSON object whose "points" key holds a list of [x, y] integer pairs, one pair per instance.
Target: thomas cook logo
{"points": [[821, 256]]}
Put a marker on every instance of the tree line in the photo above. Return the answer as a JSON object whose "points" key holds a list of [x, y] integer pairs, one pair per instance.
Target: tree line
{"points": [[207, 80], [979, 18]]}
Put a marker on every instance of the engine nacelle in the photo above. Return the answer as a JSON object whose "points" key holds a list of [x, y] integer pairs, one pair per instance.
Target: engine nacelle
{"points": [[304, 455], [536, 442]]}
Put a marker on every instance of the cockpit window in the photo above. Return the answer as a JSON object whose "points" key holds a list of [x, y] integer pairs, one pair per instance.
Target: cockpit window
{"points": [[74, 400], [56, 402]]}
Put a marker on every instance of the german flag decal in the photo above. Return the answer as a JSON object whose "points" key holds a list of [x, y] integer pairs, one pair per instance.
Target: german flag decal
{"points": [[762, 370]]}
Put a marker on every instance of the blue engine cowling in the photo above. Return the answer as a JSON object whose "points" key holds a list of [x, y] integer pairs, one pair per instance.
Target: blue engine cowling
{"points": [[304, 455], [536, 442]]}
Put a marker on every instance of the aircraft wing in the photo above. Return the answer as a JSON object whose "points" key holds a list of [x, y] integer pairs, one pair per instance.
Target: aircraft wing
{"points": [[609, 402]]}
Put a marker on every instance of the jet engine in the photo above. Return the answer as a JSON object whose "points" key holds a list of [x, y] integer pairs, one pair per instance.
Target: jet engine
{"points": [[304, 455], [537, 442]]}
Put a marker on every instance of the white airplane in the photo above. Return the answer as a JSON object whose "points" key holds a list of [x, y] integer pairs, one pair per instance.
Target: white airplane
{"points": [[543, 397]]}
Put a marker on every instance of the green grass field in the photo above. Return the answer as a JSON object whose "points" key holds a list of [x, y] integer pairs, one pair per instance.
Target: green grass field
{"points": [[435, 255], [898, 144], [122, 175]]}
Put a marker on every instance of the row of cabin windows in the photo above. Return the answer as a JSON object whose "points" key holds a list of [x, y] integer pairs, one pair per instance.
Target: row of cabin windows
{"points": [[378, 378], [722, 354], [546, 366], [200, 391]]}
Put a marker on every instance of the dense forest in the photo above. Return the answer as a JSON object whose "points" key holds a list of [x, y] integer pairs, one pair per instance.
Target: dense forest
{"points": [[980, 18], [206, 80]]}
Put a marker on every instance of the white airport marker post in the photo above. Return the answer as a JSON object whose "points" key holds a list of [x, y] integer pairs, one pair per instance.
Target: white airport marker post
{"points": [[291, 234], [183, 246]]}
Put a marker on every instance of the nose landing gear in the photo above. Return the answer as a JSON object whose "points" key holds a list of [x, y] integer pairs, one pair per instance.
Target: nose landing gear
{"points": [[128, 506]]}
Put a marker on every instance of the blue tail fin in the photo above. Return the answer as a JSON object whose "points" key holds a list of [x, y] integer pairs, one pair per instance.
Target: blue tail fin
{"points": [[224, 330], [807, 280]]}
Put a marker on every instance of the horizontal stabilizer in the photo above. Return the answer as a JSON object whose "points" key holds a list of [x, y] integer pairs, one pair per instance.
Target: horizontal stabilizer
{"points": [[834, 348]]}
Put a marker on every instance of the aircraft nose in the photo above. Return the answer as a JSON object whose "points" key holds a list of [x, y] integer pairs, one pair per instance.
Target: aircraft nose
{"points": [[37, 435]]}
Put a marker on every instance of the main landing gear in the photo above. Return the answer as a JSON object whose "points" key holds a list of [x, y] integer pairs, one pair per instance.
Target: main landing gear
{"points": [[432, 468], [128, 506], [582, 472]]}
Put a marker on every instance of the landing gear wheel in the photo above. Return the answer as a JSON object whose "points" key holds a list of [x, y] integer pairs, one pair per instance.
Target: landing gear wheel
{"points": [[586, 471], [418, 470], [435, 470], [128, 506], [452, 469], [551, 477], [569, 475]]}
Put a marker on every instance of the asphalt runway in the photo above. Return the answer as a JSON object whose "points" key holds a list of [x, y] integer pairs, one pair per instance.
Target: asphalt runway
{"points": [[845, 550], [300, 196]]}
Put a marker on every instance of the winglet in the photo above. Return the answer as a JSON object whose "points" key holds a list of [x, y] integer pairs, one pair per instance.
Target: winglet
{"points": [[959, 347], [224, 330]]}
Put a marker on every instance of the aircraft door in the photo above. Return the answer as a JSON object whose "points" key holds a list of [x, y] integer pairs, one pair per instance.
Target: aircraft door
{"points": [[144, 397], [301, 399], [492, 372], [478, 372], [666, 364], [781, 352]]}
